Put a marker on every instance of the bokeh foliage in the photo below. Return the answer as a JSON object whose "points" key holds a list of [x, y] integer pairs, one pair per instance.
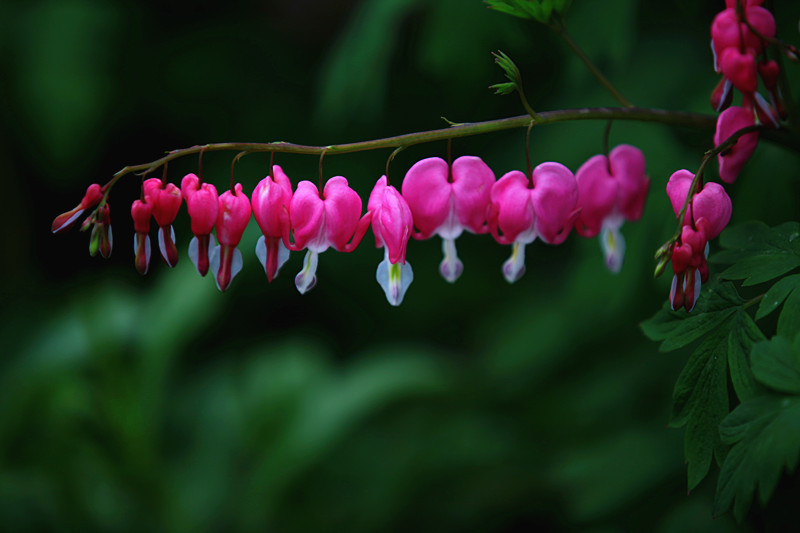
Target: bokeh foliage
{"points": [[133, 404]]}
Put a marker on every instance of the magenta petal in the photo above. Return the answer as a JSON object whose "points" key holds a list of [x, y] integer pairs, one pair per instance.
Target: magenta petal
{"points": [[554, 198], [202, 202], [628, 167], [597, 194], [740, 68], [714, 205], [512, 210], [306, 212], [270, 201], [729, 122], [391, 220], [677, 189], [233, 216], [472, 188], [428, 193], [342, 211]]}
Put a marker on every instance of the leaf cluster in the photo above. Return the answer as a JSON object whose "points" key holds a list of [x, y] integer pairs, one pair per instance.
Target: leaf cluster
{"points": [[756, 440], [538, 10]]}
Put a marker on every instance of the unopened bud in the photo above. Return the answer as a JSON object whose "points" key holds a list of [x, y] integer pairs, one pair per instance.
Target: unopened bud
{"points": [[661, 266]]}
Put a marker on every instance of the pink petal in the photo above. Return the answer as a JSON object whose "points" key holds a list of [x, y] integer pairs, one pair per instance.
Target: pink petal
{"points": [[628, 167], [597, 194], [512, 210], [554, 198], [428, 193], [714, 205], [472, 187]]}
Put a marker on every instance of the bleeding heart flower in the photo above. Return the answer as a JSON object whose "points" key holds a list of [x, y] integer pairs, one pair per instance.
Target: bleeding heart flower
{"points": [[445, 200], [711, 205], [232, 218], [523, 209], [611, 190], [166, 201], [707, 214], [731, 161], [141, 211], [740, 68], [319, 221], [271, 199], [392, 224], [202, 202], [64, 221], [101, 239]]}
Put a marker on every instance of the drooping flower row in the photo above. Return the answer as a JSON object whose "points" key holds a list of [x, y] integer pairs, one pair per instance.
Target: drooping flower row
{"points": [[738, 43], [437, 198], [739, 48]]}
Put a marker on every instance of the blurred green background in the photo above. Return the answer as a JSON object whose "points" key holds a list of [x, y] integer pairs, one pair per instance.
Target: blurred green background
{"points": [[159, 404]]}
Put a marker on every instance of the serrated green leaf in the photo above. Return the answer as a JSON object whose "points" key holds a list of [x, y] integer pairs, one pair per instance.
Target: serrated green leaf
{"points": [[503, 88], [777, 294], [508, 7], [789, 321], [776, 364], [757, 236], [701, 401], [765, 432], [743, 334], [678, 328], [761, 268], [759, 253]]}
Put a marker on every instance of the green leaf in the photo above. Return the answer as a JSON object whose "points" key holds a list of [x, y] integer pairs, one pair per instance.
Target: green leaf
{"points": [[677, 329], [759, 253], [765, 432], [700, 401], [743, 334], [777, 294], [509, 7], [503, 88], [761, 268], [776, 364], [789, 321], [539, 10]]}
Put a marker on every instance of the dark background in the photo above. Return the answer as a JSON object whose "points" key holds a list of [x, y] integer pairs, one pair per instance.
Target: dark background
{"points": [[157, 403]]}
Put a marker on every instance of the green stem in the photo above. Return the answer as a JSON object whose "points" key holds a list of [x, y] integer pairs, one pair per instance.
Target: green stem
{"points": [[561, 29], [675, 118], [753, 301]]}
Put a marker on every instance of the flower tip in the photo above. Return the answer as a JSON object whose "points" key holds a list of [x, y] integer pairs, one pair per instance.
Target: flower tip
{"points": [[65, 221], [394, 279]]}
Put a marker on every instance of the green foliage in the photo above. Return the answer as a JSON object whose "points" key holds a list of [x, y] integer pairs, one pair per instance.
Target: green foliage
{"points": [[511, 72], [700, 397], [764, 431], [759, 253], [539, 10], [754, 443]]}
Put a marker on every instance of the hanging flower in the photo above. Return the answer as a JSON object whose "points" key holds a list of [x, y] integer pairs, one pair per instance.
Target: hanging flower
{"points": [[445, 200], [271, 199], [232, 218], [392, 224], [166, 201], [523, 209], [319, 221], [708, 213], [141, 211], [64, 221], [101, 239], [202, 203], [732, 160], [611, 190]]}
